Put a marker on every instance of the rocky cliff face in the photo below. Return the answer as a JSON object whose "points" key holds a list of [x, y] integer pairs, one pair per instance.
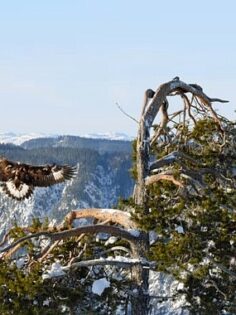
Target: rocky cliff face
{"points": [[101, 179]]}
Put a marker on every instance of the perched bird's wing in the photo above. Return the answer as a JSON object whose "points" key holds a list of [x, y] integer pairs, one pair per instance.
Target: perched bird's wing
{"points": [[43, 176]]}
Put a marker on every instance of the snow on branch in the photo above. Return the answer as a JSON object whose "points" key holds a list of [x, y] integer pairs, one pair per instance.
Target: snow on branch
{"points": [[122, 262], [170, 158]]}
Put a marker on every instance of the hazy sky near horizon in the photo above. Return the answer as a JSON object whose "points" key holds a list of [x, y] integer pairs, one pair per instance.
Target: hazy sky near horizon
{"points": [[64, 64]]}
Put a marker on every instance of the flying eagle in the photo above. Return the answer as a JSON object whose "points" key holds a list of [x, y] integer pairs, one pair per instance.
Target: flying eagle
{"points": [[18, 180]]}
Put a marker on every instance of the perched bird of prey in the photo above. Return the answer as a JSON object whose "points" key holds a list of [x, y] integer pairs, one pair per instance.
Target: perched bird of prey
{"points": [[18, 180]]}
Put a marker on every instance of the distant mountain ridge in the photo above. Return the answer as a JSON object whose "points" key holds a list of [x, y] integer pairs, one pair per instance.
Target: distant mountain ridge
{"points": [[100, 145], [20, 138], [109, 136]]}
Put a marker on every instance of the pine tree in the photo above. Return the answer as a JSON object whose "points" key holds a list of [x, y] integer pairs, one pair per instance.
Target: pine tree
{"points": [[189, 200]]}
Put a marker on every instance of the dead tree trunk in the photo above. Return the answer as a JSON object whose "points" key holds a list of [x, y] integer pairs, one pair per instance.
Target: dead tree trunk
{"points": [[153, 103]]}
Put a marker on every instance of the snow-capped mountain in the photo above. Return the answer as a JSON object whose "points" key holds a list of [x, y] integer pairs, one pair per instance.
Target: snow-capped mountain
{"points": [[109, 136], [20, 138]]}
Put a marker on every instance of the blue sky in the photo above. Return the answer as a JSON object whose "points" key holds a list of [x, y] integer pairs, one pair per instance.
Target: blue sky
{"points": [[64, 64]]}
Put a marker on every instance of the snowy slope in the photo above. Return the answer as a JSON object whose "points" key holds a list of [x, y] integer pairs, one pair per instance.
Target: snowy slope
{"points": [[18, 139], [163, 285]]}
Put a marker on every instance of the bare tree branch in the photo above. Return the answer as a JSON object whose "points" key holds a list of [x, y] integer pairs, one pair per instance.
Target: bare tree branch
{"points": [[114, 215], [146, 122], [24, 239], [116, 248], [170, 87], [121, 109], [162, 176], [222, 267], [163, 124], [93, 229], [188, 106], [89, 229], [114, 262], [170, 158], [213, 284], [47, 250]]}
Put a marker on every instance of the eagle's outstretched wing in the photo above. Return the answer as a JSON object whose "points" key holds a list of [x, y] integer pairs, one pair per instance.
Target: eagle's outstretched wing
{"points": [[43, 176], [18, 179]]}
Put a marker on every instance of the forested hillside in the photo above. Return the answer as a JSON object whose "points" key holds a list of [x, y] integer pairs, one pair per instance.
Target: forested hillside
{"points": [[100, 145], [102, 177]]}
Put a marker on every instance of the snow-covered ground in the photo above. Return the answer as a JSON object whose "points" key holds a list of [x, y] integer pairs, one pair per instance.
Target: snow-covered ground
{"points": [[163, 285], [100, 285]]}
